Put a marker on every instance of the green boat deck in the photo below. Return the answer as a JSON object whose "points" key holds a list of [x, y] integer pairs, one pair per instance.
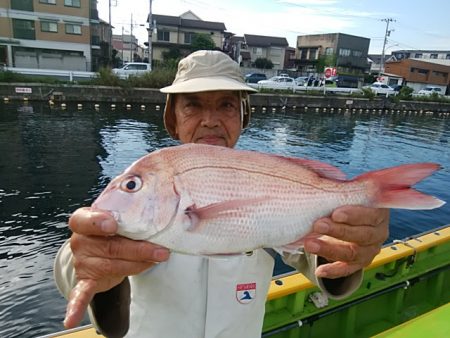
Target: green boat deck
{"points": [[435, 323]]}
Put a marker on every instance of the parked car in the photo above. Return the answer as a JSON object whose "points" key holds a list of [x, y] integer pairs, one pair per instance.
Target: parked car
{"points": [[278, 82], [255, 77], [429, 90], [301, 80], [132, 68], [381, 89]]}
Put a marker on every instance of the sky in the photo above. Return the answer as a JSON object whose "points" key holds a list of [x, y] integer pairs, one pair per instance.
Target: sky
{"points": [[417, 24]]}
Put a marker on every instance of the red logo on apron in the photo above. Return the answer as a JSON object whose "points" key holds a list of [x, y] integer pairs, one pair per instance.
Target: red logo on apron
{"points": [[245, 293]]}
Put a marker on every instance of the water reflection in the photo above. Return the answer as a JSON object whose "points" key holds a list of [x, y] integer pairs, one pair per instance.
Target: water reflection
{"points": [[54, 161]]}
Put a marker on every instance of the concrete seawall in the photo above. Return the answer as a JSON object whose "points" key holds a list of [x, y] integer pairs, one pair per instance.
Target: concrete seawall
{"points": [[118, 95]]}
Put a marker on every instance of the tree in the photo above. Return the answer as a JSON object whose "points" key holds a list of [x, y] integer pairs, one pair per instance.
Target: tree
{"points": [[202, 41], [173, 53], [263, 63], [325, 61]]}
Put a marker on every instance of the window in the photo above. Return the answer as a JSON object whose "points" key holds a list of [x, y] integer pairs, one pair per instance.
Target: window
{"points": [[329, 51], [163, 35], [72, 3], [73, 29], [418, 55], [274, 51], [344, 52], [24, 29], [433, 56], [257, 50], [22, 5], [49, 26], [313, 54], [303, 54], [188, 36], [49, 2], [357, 53]]}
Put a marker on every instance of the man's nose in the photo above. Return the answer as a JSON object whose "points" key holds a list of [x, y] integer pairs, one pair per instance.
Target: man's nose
{"points": [[210, 118]]}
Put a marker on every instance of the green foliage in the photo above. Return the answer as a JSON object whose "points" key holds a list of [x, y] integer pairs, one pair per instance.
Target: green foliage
{"points": [[9, 76], [158, 78], [405, 93], [173, 53], [263, 63], [325, 61], [368, 93], [105, 77], [202, 41]]}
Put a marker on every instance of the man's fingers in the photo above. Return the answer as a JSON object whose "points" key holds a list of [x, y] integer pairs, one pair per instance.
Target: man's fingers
{"points": [[364, 235], [336, 270], [117, 247], [359, 215], [79, 299], [100, 268], [88, 222], [335, 250]]}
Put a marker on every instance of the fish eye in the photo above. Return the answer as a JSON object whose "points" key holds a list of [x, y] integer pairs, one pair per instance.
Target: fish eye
{"points": [[131, 184]]}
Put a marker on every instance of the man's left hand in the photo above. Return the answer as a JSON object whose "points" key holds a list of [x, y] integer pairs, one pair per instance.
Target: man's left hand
{"points": [[350, 238]]}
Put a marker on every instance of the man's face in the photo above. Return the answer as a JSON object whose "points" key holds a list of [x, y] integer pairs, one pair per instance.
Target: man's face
{"points": [[208, 117]]}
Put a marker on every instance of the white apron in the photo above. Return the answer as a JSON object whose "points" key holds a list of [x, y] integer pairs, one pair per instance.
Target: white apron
{"points": [[195, 297]]}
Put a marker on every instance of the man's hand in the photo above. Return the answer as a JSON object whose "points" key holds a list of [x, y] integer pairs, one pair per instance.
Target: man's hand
{"points": [[102, 260], [350, 238]]}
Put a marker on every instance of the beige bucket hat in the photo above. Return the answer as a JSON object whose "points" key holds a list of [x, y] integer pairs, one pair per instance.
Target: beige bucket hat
{"points": [[202, 71]]}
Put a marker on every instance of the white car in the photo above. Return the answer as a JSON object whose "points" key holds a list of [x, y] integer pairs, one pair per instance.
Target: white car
{"points": [[429, 90], [381, 89], [132, 68], [278, 82]]}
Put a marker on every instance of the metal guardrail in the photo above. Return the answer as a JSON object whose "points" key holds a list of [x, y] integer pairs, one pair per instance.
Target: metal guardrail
{"points": [[70, 75]]}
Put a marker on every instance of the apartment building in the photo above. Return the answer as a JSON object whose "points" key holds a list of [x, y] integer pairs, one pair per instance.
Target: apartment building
{"points": [[53, 34], [349, 52]]}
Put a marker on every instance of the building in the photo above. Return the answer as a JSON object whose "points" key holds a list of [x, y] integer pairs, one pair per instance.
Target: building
{"points": [[417, 73], [267, 47], [176, 33], [53, 34], [346, 52], [420, 54], [127, 48]]}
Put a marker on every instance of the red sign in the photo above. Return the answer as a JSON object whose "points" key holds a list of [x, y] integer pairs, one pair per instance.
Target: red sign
{"points": [[330, 71]]}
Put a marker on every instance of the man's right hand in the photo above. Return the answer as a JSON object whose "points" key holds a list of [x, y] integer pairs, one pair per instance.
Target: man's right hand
{"points": [[103, 259]]}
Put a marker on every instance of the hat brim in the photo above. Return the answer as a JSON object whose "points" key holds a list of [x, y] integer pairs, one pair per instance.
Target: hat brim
{"points": [[206, 84]]}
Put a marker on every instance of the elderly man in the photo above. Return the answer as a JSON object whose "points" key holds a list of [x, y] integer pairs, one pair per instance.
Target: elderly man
{"points": [[194, 296]]}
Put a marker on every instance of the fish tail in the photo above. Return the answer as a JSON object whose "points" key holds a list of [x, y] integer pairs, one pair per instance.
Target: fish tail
{"points": [[391, 187]]}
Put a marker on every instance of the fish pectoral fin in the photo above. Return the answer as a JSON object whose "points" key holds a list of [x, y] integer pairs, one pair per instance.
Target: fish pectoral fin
{"points": [[215, 210]]}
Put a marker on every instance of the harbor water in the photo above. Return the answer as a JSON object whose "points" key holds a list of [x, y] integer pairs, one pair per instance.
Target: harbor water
{"points": [[54, 160]]}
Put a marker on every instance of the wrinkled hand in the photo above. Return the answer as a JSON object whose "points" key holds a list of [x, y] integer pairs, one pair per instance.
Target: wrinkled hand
{"points": [[350, 238], [102, 259]]}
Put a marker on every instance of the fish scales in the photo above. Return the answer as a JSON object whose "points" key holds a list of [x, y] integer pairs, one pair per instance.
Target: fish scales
{"points": [[202, 199]]}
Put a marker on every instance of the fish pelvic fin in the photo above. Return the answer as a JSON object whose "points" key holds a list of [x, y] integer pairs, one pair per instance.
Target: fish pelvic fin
{"points": [[391, 187], [215, 210]]}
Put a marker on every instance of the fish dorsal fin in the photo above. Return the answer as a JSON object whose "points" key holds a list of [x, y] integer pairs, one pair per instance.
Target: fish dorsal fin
{"points": [[322, 169]]}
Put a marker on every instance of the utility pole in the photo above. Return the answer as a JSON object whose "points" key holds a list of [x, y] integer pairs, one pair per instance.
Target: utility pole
{"points": [[150, 29], [386, 34], [131, 39], [110, 49]]}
